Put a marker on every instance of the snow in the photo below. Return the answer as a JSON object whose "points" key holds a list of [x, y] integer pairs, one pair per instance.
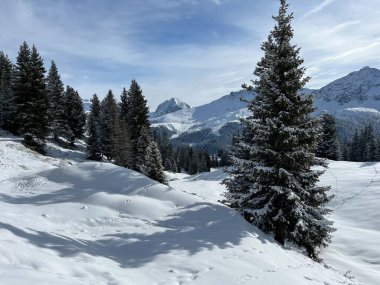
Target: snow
{"points": [[169, 106], [353, 99], [69, 221], [213, 115]]}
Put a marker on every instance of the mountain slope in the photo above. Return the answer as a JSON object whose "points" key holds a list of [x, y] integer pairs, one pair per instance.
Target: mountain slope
{"points": [[213, 115], [69, 222], [353, 99]]}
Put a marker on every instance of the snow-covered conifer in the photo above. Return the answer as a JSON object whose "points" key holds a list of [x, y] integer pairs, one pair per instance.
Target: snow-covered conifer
{"points": [[107, 125], [56, 96], [272, 182]]}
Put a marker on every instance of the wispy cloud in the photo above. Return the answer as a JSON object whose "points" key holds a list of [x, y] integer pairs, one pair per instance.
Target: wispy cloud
{"points": [[319, 8]]}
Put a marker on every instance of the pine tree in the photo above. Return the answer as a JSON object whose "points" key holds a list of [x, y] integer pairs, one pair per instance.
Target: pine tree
{"points": [[75, 114], [21, 90], [136, 113], [153, 164], [149, 161], [30, 104], [38, 121], [378, 150], [107, 126], [56, 95], [6, 94], [93, 140], [354, 149], [124, 105], [328, 146], [123, 145], [272, 183]]}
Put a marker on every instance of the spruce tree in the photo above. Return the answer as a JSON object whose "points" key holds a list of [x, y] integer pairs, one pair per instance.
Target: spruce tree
{"points": [[328, 146], [272, 182], [56, 95], [93, 139], [149, 161], [137, 116], [354, 149], [153, 163], [76, 116], [21, 89], [107, 126], [124, 105], [30, 103], [6, 94], [123, 145], [38, 122]]}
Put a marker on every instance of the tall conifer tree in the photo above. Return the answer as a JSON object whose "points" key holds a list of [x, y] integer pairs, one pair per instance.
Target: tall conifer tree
{"points": [[107, 125], [30, 104], [76, 117], [328, 146], [272, 183], [6, 94], [93, 138], [56, 95], [21, 89], [136, 113]]}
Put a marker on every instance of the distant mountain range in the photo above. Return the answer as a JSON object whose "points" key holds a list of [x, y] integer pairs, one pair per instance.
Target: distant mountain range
{"points": [[353, 99]]}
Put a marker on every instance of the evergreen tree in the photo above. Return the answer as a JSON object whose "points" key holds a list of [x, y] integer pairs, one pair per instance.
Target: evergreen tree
{"points": [[149, 161], [6, 94], [136, 113], [123, 145], [56, 95], [272, 183], [153, 163], [75, 114], [107, 126], [21, 90], [378, 150], [328, 146], [354, 149], [93, 140], [30, 104], [124, 105]]}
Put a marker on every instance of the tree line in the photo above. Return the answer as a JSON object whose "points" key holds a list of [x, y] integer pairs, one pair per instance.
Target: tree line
{"points": [[34, 106], [121, 132], [364, 146], [193, 160]]}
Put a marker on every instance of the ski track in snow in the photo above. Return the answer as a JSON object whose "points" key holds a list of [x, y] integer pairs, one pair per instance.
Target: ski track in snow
{"points": [[70, 222]]}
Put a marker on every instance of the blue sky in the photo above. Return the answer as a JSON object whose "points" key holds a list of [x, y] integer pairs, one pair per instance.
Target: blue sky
{"points": [[196, 50]]}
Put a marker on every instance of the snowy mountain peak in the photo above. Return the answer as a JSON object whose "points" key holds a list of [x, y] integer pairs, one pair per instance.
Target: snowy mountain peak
{"points": [[170, 106], [358, 86]]}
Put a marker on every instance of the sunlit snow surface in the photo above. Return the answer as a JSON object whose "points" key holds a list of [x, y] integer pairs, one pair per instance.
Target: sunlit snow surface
{"points": [[67, 221]]}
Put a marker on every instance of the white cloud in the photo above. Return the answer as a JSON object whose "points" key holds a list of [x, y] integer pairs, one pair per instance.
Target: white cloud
{"points": [[319, 8]]}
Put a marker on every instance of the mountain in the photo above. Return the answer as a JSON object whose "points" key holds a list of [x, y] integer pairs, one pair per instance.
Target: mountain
{"points": [[353, 99], [357, 88], [213, 115], [86, 105], [169, 106]]}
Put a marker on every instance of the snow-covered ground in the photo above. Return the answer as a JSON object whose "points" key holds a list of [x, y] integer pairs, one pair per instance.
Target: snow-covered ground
{"points": [[68, 221]]}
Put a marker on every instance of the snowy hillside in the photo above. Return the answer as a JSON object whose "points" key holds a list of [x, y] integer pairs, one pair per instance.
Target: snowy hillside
{"points": [[73, 222]]}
